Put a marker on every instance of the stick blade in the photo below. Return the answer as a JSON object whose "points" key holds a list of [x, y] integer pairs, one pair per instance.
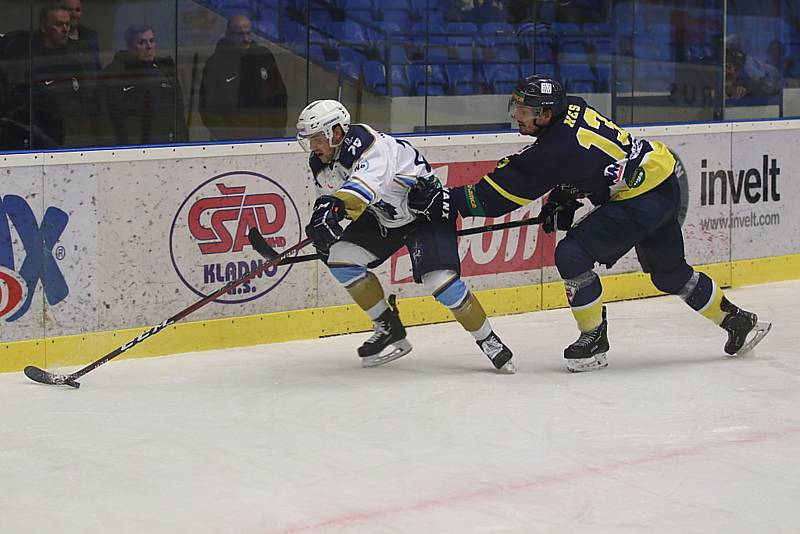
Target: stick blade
{"points": [[260, 245], [45, 377]]}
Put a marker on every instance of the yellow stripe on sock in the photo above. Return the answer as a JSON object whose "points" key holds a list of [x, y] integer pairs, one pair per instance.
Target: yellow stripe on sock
{"points": [[367, 292], [713, 310], [589, 316], [470, 314]]}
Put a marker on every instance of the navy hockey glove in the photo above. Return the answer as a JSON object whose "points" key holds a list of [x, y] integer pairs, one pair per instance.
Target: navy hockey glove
{"points": [[559, 210], [430, 200], [324, 228]]}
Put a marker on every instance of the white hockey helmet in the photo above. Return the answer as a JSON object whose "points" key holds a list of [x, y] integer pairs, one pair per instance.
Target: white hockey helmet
{"points": [[321, 116]]}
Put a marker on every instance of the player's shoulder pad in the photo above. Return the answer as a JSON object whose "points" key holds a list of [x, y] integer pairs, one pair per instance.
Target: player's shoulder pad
{"points": [[355, 143], [516, 156], [316, 164], [575, 100]]}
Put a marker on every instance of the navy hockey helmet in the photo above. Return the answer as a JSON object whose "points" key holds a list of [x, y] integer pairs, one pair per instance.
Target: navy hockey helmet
{"points": [[537, 92]]}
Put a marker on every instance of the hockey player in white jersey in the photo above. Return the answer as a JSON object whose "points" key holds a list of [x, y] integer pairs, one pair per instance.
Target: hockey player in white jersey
{"points": [[364, 175]]}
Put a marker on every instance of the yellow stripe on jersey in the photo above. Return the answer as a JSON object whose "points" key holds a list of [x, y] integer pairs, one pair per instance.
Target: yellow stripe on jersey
{"points": [[354, 205], [363, 184], [657, 166], [513, 198]]}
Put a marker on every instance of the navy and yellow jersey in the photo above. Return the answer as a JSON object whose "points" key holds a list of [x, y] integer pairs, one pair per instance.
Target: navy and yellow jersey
{"points": [[575, 151]]}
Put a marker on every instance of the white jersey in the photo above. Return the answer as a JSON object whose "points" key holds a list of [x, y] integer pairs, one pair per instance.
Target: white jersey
{"points": [[375, 168]]}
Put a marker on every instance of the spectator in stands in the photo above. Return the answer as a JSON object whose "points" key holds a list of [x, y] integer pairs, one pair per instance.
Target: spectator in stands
{"points": [[55, 90], [458, 10], [745, 76], [83, 39], [143, 94], [526, 11], [13, 134], [242, 94], [491, 11], [582, 11]]}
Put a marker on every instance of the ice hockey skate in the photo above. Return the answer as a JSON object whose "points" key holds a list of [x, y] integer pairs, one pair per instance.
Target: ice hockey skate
{"points": [[589, 350], [388, 342], [744, 329], [498, 353]]}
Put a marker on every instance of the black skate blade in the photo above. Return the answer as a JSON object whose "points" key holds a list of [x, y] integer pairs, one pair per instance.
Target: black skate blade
{"points": [[394, 351], [52, 379], [759, 331]]}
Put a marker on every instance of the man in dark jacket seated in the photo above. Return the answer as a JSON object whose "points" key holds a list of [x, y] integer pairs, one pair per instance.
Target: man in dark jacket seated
{"points": [[242, 95], [142, 93]]}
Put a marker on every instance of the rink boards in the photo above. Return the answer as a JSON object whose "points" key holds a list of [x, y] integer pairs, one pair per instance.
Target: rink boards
{"points": [[96, 246]]}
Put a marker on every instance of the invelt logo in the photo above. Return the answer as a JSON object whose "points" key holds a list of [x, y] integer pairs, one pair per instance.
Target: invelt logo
{"points": [[754, 185], [208, 240]]}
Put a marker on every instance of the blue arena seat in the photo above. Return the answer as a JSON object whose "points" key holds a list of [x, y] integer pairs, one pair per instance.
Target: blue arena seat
{"points": [[500, 78], [374, 74], [428, 36], [461, 39], [428, 10], [544, 69], [501, 30], [400, 82], [347, 31], [316, 52], [428, 79], [397, 54], [572, 52], [363, 10], [400, 16], [578, 78], [267, 28], [348, 54], [349, 70], [268, 13], [603, 77], [228, 9], [460, 79], [319, 17]]}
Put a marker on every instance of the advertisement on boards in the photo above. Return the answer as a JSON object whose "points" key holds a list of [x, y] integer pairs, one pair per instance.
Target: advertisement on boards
{"points": [[763, 192], [47, 228], [217, 216], [517, 250]]}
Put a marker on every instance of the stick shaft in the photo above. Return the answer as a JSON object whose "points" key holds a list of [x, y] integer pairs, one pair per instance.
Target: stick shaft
{"points": [[464, 231], [147, 334]]}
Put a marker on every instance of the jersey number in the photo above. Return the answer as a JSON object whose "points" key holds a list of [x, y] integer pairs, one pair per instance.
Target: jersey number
{"points": [[589, 138]]}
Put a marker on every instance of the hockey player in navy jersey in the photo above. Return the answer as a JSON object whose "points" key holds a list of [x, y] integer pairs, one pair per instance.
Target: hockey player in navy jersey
{"points": [[365, 176], [578, 153]]}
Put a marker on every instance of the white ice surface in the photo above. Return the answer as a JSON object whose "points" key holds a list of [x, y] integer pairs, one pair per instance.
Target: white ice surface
{"points": [[672, 437]]}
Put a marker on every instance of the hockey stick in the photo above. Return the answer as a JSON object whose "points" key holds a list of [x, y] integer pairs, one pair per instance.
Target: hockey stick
{"points": [[46, 377], [267, 252]]}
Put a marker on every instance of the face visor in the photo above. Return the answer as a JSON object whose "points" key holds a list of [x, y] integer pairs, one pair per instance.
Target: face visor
{"points": [[520, 112], [306, 140]]}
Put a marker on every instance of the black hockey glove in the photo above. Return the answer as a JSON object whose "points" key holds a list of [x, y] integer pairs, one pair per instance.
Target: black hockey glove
{"points": [[324, 228], [559, 210], [430, 200]]}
